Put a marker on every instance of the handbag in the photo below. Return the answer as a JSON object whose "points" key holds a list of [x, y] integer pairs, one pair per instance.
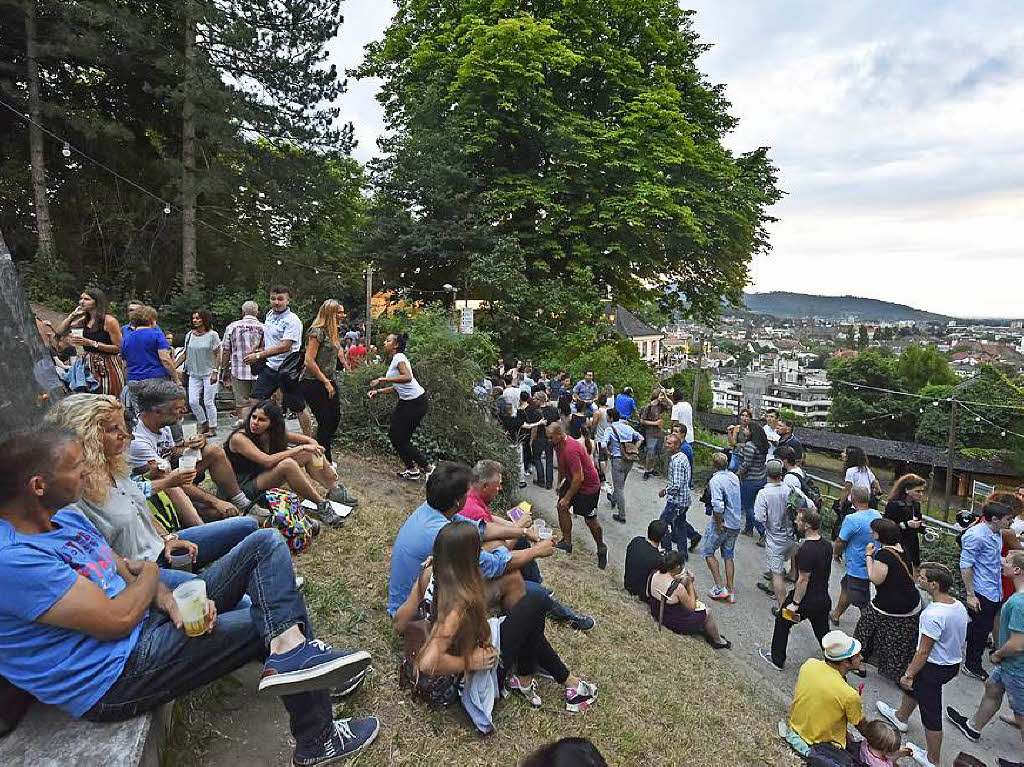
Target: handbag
{"points": [[288, 516], [438, 690], [629, 451], [293, 365]]}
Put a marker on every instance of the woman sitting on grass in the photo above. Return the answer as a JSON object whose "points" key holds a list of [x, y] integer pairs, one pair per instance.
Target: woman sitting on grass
{"points": [[261, 457], [461, 639], [684, 613]]}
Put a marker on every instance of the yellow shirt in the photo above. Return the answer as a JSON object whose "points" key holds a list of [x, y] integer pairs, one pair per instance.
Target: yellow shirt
{"points": [[823, 704]]}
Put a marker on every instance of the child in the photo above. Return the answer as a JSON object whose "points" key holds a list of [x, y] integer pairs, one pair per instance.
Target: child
{"points": [[881, 746]]}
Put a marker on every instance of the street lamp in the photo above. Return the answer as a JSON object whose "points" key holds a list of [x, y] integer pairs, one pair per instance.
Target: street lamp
{"points": [[455, 309]]}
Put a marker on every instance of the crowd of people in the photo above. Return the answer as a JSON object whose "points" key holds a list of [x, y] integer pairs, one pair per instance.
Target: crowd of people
{"points": [[98, 506]]}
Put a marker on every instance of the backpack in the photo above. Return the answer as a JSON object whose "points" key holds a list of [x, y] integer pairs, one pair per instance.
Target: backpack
{"points": [[809, 489], [288, 516]]}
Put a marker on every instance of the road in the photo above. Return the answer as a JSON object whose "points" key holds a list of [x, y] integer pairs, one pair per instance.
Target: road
{"points": [[748, 623]]}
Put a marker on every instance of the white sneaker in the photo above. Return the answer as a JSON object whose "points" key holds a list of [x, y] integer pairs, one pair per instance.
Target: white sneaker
{"points": [[890, 714], [919, 755], [717, 592]]}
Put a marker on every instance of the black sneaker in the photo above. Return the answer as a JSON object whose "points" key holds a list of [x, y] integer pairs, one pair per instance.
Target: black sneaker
{"points": [[619, 518], [602, 558], [326, 514], [581, 622], [766, 588], [564, 546], [347, 737], [647, 475], [976, 673], [1007, 763], [695, 543], [961, 723], [611, 499]]}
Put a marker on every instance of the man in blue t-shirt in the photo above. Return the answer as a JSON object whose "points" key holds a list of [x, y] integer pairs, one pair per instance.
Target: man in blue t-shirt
{"points": [[625, 404], [74, 615], [854, 537]]}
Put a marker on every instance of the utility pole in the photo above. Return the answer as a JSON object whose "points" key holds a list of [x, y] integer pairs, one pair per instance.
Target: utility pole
{"points": [[949, 456], [696, 374], [369, 303]]}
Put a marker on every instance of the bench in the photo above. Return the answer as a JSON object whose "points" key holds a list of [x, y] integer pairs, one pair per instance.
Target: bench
{"points": [[47, 737]]}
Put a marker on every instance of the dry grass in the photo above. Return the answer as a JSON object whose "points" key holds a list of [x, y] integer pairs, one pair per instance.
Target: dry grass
{"points": [[664, 700]]}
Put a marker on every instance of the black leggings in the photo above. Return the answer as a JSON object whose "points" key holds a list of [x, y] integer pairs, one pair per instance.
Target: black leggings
{"points": [[326, 409], [404, 421], [523, 644]]}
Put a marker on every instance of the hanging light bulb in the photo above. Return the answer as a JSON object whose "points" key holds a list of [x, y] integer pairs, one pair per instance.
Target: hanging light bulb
{"points": [[279, 262], [66, 151], [167, 209], [920, 410], [977, 419], [1002, 434], [936, 403]]}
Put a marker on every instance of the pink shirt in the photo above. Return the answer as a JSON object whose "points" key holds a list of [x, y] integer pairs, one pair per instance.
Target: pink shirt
{"points": [[871, 759], [572, 457], [475, 508]]}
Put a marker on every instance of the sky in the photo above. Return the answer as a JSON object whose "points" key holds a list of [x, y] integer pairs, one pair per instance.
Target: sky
{"points": [[898, 130]]}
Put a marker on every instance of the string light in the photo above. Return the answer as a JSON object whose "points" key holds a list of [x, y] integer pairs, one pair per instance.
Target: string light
{"points": [[921, 396], [66, 151], [167, 209]]}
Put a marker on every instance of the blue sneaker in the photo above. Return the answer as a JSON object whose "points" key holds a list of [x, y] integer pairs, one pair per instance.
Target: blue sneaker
{"points": [[347, 737], [313, 665]]}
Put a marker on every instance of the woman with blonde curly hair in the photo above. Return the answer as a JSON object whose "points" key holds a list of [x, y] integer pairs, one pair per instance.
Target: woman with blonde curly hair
{"points": [[113, 501]]}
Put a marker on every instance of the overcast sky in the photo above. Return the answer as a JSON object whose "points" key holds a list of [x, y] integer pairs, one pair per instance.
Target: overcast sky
{"points": [[898, 129]]}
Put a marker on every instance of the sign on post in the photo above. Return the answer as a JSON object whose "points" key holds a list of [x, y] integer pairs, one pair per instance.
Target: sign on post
{"points": [[466, 320]]}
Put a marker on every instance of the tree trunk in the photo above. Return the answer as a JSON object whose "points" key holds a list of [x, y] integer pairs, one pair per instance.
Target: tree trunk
{"points": [[45, 248], [28, 381], [188, 155]]}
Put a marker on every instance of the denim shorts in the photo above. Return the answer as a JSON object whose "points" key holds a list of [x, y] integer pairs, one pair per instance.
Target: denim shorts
{"points": [[857, 589], [653, 446], [715, 540], [1014, 687]]}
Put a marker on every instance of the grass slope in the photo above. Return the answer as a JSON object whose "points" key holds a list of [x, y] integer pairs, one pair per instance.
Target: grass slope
{"points": [[664, 700]]}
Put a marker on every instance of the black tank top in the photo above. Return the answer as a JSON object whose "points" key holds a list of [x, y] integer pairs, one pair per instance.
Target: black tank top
{"points": [[99, 335]]}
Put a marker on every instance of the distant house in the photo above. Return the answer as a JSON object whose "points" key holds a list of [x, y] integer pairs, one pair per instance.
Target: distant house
{"points": [[648, 339]]}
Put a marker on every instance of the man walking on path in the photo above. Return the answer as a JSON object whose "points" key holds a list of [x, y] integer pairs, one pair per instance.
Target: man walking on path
{"points": [[771, 508], [809, 597], [585, 391], [854, 536], [1009, 657], [241, 338], [618, 435], [678, 500], [981, 566], [625, 404], [579, 489], [653, 428], [723, 527]]}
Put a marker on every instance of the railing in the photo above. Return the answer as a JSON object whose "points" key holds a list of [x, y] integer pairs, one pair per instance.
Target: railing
{"points": [[944, 527]]}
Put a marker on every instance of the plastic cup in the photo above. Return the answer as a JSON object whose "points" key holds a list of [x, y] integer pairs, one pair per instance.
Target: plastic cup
{"points": [[318, 461], [189, 431], [180, 559], [191, 600], [545, 533], [187, 463], [79, 333]]}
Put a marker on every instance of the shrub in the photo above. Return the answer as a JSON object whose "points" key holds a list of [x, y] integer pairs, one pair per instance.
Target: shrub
{"points": [[614, 361], [447, 365]]}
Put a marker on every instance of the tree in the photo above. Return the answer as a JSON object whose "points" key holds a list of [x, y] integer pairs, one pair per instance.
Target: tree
{"points": [[920, 366], [27, 376], [866, 411], [862, 337], [584, 132], [683, 379]]}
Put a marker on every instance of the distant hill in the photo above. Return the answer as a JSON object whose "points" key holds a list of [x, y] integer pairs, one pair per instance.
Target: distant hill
{"points": [[782, 304]]}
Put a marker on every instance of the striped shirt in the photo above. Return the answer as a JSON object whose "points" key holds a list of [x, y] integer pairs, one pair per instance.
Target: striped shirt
{"points": [[678, 490], [241, 338]]}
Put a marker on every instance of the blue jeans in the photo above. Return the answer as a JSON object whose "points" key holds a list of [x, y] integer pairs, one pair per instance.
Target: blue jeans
{"points": [[620, 470], [749, 489], [679, 530], [166, 664], [215, 539], [552, 607]]}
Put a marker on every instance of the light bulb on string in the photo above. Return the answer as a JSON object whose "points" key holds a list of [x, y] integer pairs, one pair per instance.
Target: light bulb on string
{"points": [[66, 151], [167, 209], [936, 403], [279, 262]]}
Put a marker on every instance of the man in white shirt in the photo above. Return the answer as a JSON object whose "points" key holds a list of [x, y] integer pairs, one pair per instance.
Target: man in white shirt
{"points": [[771, 430], [682, 413], [282, 336]]}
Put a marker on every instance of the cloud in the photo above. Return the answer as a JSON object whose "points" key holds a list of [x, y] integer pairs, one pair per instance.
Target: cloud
{"points": [[896, 128]]}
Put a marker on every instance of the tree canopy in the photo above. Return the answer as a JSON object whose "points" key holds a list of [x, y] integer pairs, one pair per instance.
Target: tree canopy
{"points": [[582, 135]]}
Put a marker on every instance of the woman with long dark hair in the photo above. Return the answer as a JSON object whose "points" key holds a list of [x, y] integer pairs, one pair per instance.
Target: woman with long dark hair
{"points": [[323, 352], [753, 476], [904, 508], [856, 474], [460, 641], [100, 340], [202, 362], [738, 434], [264, 455], [411, 407]]}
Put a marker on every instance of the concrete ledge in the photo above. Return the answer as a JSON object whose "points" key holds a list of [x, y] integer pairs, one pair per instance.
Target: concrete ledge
{"points": [[47, 737]]}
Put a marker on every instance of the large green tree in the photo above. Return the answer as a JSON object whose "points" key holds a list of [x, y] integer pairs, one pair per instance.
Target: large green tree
{"points": [[584, 132]]}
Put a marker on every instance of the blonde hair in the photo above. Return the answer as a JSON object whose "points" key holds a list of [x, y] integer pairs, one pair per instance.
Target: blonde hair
{"points": [[882, 736], [327, 318], [87, 415]]}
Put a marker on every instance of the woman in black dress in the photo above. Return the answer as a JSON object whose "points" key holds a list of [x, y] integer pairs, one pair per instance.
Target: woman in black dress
{"points": [[904, 508]]}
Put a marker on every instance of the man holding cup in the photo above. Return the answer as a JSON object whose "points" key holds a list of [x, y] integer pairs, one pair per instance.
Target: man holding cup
{"points": [[102, 637]]}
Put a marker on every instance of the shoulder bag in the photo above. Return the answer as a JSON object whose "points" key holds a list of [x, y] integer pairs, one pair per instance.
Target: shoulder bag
{"points": [[629, 451], [441, 690]]}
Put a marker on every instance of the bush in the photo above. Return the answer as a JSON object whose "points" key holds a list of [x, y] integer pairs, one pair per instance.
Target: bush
{"points": [[447, 365], [614, 361]]}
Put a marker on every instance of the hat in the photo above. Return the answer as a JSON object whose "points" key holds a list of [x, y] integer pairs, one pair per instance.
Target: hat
{"points": [[838, 645]]}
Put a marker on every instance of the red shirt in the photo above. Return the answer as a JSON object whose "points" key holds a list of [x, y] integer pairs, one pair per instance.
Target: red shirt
{"points": [[475, 508], [572, 457]]}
